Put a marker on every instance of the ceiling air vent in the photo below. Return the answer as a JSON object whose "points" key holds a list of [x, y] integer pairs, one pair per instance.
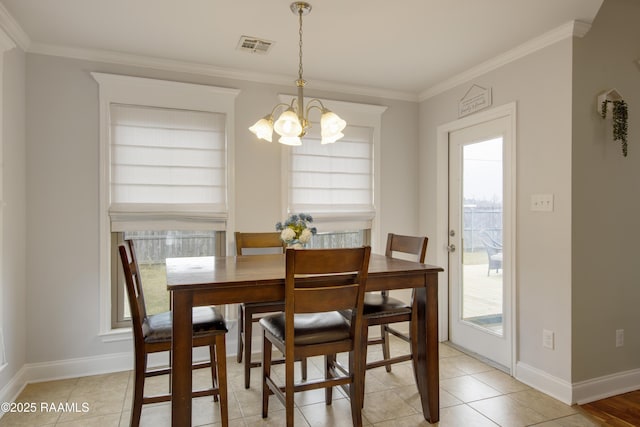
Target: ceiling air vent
{"points": [[254, 44]]}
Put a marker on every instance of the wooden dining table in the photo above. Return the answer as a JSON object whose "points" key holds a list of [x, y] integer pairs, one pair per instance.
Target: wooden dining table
{"points": [[195, 281]]}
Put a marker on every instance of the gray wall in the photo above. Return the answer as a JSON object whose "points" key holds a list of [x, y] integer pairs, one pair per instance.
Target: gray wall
{"points": [[14, 272], [606, 200], [62, 191], [540, 84]]}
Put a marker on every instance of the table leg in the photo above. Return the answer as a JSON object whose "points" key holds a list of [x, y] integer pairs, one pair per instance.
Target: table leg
{"points": [[181, 359], [426, 363]]}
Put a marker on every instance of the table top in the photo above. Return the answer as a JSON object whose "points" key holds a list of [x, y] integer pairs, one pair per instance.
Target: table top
{"points": [[195, 272]]}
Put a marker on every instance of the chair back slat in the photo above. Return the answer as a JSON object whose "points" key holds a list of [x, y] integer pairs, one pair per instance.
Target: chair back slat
{"points": [[327, 261], [410, 245], [258, 241], [330, 298], [135, 292]]}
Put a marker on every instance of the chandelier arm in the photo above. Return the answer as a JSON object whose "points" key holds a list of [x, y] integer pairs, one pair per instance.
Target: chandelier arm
{"points": [[281, 104], [311, 105]]}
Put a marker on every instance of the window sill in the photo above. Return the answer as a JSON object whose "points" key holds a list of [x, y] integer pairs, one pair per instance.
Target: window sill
{"points": [[115, 335]]}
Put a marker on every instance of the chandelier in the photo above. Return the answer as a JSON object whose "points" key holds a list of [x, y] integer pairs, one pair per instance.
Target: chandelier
{"points": [[293, 123]]}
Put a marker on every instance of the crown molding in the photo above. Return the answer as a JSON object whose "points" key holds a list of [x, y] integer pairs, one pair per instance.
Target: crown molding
{"points": [[13, 29], [6, 43], [207, 70], [570, 29], [15, 32]]}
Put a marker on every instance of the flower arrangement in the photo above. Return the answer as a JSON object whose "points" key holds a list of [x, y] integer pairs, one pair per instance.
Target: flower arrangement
{"points": [[295, 231]]}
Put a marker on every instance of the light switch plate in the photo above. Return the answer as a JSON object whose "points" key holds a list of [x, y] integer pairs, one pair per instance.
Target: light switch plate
{"points": [[542, 202], [548, 339]]}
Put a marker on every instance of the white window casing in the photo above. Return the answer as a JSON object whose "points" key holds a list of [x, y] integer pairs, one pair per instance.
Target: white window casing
{"points": [[184, 198]]}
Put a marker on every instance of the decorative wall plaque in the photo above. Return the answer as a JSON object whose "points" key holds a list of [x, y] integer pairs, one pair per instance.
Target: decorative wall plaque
{"points": [[476, 98]]}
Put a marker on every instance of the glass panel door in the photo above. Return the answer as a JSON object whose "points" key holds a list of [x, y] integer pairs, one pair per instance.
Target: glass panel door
{"points": [[481, 280], [479, 284]]}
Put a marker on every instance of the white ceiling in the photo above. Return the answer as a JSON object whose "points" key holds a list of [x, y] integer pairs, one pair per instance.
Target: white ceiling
{"points": [[405, 46]]}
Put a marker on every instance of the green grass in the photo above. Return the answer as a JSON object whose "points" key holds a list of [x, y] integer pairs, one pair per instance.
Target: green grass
{"points": [[154, 283]]}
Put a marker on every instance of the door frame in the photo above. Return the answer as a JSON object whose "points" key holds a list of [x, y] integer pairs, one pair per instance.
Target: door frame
{"points": [[509, 218]]}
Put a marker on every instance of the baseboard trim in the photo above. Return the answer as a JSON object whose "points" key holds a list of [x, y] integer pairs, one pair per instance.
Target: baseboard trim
{"points": [[95, 365], [606, 386], [580, 392], [78, 367], [13, 388], [546, 383]]}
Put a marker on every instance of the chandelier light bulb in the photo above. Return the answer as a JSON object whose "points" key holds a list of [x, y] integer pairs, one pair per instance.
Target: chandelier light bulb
{"points": [[288, 124]]}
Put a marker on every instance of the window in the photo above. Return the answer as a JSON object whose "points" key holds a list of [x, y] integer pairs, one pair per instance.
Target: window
{"points": [[336, 183], [165, 147]]}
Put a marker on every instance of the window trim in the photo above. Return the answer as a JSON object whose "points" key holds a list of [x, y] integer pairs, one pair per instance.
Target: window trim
{"points": [[6, 44], [354, 114], [114, 88]]}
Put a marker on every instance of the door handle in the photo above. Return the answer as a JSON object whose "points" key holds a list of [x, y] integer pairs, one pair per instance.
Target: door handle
{"points": [[451, 248]]}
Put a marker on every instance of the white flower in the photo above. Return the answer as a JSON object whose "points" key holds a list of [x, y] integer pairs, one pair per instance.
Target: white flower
{"points": [[287, 234], [296, 246], [305, 236]]}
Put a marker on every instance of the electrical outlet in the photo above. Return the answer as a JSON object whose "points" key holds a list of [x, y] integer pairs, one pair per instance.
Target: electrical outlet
{"points": [[547, 339], [619, 337]]}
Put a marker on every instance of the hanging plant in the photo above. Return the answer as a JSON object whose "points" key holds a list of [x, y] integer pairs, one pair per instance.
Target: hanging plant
{"points": [[620, 116]]}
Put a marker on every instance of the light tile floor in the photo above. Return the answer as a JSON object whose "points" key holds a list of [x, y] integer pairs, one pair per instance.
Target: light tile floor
{"points": [[472, 393]]}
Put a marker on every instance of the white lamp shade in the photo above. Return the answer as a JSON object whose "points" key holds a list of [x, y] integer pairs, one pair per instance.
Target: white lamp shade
{"points": [[288, 124], [263, 128], [290, 140], [331, 139], [331, 127]]}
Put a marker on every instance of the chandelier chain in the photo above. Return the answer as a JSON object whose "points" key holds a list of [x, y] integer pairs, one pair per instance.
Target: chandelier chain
{"points": [[300, 43]]}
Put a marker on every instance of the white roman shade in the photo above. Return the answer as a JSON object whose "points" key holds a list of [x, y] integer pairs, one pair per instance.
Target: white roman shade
{"points": [[167, 169], [334, 182]]}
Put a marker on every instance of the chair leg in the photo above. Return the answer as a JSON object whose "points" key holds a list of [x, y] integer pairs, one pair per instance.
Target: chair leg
{"points": [[266, 373], [221, 367], [240, 331], [221, 364], [363, 362], [329, 372], [386, 353], [356, 392], [138, 390], [248, 331], [214, 376], [303, 368], [288, 389], [413, 335]]}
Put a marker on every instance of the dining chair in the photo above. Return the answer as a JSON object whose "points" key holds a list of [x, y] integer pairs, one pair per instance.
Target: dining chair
{"points": [[384, 310], [249, 313], [312, 325], [152, 334]]}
